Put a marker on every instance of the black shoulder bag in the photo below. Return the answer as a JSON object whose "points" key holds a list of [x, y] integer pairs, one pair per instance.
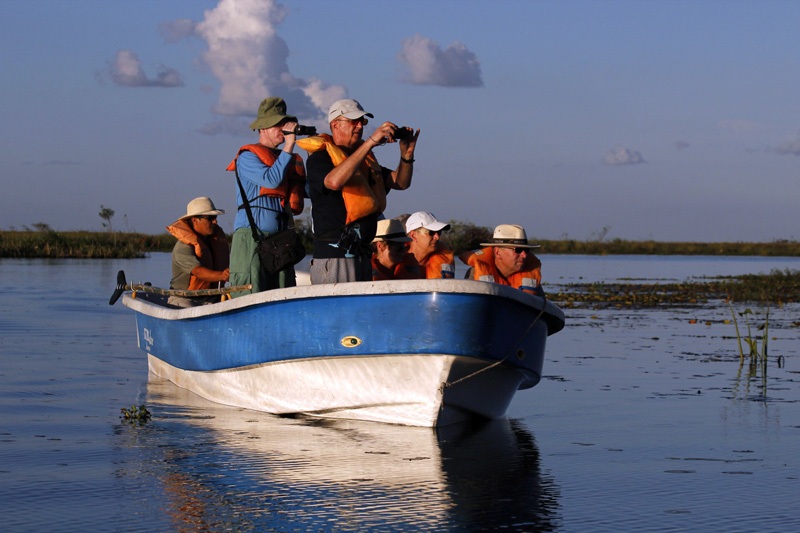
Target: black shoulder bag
{"points": [[281, 249]]}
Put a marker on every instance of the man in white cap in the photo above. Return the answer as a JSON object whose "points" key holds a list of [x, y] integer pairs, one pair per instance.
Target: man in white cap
{"points": [[200, 257], [435, 259], [348, 190], [507, 260], [390, 259]]}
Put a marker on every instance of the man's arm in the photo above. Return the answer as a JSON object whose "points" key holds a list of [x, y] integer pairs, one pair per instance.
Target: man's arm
{"points": [[401, 178], [206, 274]]}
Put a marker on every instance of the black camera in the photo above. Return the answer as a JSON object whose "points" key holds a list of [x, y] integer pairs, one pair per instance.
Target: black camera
{"points": [[403, 134], [303, 130]]}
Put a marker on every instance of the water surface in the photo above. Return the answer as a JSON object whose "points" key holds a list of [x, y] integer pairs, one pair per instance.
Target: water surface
{"points": [[643, 421]]}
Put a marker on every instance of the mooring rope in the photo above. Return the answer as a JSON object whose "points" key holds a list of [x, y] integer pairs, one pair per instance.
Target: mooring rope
{"points": [[447, 384]]}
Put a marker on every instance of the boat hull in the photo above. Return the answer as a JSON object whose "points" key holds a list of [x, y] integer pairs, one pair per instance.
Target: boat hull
{"points": [[422, 353]]}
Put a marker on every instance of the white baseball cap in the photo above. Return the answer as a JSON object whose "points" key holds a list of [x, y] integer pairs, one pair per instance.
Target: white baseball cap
{"points": [[423, 219], [347, 109]]}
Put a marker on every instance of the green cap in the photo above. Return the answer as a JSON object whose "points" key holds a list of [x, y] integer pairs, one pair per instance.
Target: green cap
{"points": [[271, 111]]}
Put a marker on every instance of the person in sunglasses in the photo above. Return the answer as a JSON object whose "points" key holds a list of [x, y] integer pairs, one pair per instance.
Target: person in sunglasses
{"points": [[390, 258], [201, 255], [507, 260], [434, 258], [348, 189]]}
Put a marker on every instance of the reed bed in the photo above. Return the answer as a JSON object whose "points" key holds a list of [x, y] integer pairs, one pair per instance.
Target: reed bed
{"points": [[777, 286], [81, 244]]}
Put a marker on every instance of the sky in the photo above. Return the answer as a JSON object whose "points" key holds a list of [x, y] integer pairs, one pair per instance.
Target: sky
{"points": [[639, 120]]}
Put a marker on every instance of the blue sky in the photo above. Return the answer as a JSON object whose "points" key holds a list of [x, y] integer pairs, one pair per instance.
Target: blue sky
{"points": [[672, 121]]}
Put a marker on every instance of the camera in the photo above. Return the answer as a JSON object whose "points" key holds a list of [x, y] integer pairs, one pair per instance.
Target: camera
{"points": [[403, 133], [303, 130]]}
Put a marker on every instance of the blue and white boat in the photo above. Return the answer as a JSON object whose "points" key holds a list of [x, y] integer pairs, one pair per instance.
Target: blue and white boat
{"points": [[419, 353]]}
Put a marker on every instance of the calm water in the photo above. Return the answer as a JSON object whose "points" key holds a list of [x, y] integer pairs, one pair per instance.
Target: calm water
{"points": [[643, 422]]}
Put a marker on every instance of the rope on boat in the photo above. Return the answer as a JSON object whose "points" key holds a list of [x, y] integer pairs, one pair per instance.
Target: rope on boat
{"points": [[123, 286], [448, 384], [136, 287]]}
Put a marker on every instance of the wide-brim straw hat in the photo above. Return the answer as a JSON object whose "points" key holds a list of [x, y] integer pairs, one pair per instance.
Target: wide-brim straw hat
{"points": [[201, 206], [270, 113], [510, 236], [390, 230]]}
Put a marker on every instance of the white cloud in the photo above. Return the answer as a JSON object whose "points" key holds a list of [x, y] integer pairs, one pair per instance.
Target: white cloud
{"points": [[428, 64], [126, 70], [246, 54], [623, 156]]}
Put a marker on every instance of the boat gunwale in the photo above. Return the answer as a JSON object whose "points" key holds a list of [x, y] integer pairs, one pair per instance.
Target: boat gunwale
{"points": [[363, 288]]}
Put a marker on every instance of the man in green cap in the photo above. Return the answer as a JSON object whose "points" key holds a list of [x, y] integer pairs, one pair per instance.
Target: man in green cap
{"points": [[272, 179]]}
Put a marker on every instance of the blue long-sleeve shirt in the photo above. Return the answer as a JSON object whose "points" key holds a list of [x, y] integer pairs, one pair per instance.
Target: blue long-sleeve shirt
{"points": [[254, 174]]}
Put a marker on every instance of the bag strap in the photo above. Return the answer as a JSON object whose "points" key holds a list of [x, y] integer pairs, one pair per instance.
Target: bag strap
{"points": [[250, 219]]}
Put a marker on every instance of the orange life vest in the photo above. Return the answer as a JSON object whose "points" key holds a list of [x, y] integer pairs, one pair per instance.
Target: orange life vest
{"points": [[484, 269], [214, 256], [407, 269], [439, 264], [362, 196], [293, 185]]}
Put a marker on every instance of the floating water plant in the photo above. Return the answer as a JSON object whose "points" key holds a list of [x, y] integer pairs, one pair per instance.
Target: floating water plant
{"points": [[135, 415], [750, 341]]}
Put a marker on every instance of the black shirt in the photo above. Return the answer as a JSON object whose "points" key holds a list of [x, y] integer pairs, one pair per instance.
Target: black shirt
{"points": [[328, 211]]}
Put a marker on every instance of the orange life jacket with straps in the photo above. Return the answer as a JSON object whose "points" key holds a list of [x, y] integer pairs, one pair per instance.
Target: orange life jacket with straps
{"points": [[407, 269], [484, 269], [293, 185], [214, 256], [365, 193], [439, 265]]}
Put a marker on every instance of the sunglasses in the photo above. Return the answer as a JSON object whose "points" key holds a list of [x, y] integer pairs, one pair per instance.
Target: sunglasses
{"points": [[212, 218], [394, 245], [429, 232], [363, 120]]}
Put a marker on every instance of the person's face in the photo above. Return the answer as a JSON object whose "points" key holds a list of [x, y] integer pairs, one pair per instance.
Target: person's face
{"points": [[391, 252], [509, 260], [425, 240], [275, 135], [347, 132], [396, 251], [204, 224]]}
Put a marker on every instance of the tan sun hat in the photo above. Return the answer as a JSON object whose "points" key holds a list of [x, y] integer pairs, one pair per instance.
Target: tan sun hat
{"points": [[510, 236], [270, 113], [201, 206], [390, 230]]}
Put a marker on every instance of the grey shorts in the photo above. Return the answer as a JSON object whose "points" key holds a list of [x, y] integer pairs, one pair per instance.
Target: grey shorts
{"points": [[340, 270]]}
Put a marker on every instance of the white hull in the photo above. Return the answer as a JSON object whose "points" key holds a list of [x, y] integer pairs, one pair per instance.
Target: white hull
{"points": [[398, 389]]}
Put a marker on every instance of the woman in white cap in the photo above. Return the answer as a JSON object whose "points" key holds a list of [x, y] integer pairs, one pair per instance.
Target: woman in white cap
{"points": [[390, 259], [200, 257], [507, 260], [435, 259]]}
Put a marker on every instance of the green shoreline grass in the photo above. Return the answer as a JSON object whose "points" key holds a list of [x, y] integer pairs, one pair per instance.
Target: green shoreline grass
{"points": [[463, 236], [776, 287]]}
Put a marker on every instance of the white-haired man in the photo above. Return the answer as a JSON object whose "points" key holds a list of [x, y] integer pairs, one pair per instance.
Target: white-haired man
{"points": [[348, 190]]}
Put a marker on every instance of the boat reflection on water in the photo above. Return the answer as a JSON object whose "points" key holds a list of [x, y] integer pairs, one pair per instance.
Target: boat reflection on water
{"points": [[224, 467]]}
